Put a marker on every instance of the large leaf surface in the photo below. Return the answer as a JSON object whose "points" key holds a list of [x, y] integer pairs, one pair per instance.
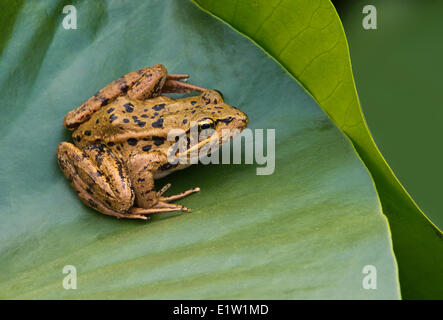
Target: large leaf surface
{"points": [[306, 231], [306, 37]]}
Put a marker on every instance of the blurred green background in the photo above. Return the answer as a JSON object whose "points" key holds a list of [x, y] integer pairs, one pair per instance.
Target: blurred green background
{"points": [[398, 73]]}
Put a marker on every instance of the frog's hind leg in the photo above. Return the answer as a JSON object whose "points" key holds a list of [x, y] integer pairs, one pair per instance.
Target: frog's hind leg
{"points": [[89, 200], [99, 178], [175, 86], [139, 84], [157, 81], [172, 76]]}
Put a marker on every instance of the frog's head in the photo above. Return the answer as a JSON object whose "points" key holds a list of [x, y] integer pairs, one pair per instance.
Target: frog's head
{"points": [[209, 113], [213, 113]]}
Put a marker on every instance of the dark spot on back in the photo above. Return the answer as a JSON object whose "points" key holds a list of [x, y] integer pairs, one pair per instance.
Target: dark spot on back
{"points": [[147, 147], [129, 107], [87, 133], [132, 141], [110, 110], [158, 107], [158, 141], [158, 124]]}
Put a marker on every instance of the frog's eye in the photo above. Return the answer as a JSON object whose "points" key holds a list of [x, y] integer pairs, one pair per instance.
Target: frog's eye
{"points": [[206, 123]]}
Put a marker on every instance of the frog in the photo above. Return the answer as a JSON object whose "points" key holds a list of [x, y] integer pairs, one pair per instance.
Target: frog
{"points": [[121, 146]]}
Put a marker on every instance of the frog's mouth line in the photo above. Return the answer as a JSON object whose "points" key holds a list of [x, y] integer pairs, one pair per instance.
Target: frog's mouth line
{"points": [[199, 145], [223, 139], [193, 148]]}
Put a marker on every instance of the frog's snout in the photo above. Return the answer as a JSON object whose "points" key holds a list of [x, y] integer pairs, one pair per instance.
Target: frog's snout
{"points": [[241, 120], [245, 121]]}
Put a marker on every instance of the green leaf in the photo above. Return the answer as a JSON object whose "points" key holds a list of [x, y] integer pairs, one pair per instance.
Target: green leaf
{"points": [[307, 39], [306, 231], [405, 120]]}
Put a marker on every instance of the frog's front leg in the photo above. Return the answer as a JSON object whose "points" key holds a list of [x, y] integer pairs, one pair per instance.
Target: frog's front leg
{"points": [[176, 196], [99, 178], [147, 199]]}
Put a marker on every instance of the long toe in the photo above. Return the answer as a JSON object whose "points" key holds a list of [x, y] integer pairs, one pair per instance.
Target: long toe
{"points": [[180, 195]]}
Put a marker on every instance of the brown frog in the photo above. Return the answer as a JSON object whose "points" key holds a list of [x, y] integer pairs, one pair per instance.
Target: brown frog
{"points": [[120, 140]]}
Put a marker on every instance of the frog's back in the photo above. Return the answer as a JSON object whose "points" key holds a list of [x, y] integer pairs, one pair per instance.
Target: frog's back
{"points": [[120, 116], [134, 115]]}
